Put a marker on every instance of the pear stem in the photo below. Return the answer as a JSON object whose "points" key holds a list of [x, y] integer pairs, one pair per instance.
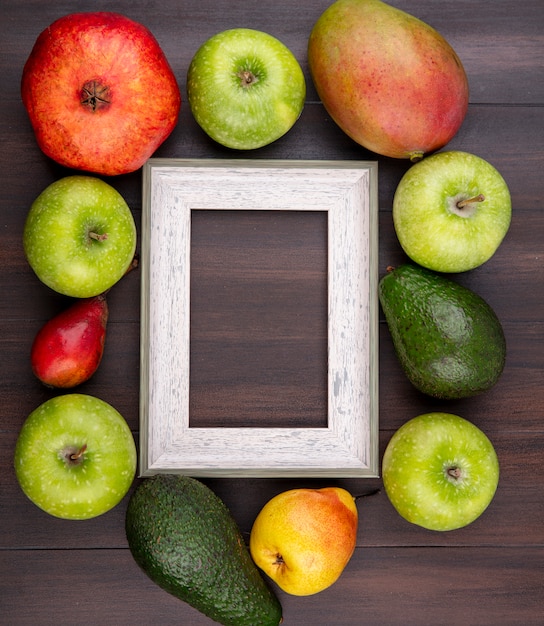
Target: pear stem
{"points": [[368, 493], [463, 203]]}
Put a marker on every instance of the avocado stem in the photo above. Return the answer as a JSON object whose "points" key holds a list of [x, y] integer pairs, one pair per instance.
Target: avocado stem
{"points": [[463, 203]]}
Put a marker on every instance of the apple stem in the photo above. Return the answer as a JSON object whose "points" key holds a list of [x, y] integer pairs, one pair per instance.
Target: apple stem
{"points": [[98, 237], [76, 456], [454, 472], [463, 203], [247, 78]]}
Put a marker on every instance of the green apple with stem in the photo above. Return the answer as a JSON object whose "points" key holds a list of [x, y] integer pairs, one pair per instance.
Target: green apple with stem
{"points": [[451, 211], [440, 471], [245, 88], [79, 236], [75, 457]]}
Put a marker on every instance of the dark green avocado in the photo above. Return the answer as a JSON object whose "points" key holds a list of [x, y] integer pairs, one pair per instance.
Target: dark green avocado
{"points": [[449, 341], [185, 539]]}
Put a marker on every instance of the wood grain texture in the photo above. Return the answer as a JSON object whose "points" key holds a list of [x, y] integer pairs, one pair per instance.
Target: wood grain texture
{"points": [[381, 585], [488, 573], [283, 259]]}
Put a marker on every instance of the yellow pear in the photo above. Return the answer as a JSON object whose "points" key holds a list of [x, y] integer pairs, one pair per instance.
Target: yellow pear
{"points": [[304, 538]]}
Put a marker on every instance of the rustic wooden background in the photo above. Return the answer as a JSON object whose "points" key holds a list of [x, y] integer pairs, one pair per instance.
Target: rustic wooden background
{"points": [[492, 572]]}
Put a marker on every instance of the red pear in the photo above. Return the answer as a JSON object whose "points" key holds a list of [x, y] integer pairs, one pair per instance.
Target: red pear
{"points": [[68, 348]]}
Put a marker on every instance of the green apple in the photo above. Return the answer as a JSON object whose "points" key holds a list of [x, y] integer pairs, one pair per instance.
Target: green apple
{"points": [[79, 236], [75, 457], [451, 211], [245, 88], [440, 471]]}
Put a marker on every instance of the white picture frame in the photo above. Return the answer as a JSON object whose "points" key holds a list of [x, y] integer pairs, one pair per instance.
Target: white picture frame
{"points": [[347, 191]]}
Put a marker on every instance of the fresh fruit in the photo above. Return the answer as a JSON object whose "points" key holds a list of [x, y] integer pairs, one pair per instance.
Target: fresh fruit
{"points": [[451, 211], [440, 471], [185, 539], [67, 349], [100, 93], [304, 538], [390, 81], [79, 236], [75, 457], [449, 341], [245, 88]]}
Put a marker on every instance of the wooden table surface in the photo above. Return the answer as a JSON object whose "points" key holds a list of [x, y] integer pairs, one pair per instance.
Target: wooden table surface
{"points": [[491, 572]]}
